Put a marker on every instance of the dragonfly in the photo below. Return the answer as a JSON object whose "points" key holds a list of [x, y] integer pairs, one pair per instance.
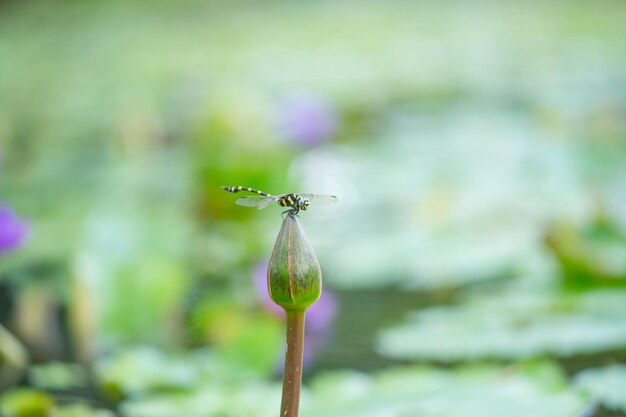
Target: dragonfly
{"points": [[297, 202]]}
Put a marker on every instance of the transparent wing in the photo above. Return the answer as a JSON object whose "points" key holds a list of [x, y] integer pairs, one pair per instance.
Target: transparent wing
{"points": [[256, 201], [320, 200]]}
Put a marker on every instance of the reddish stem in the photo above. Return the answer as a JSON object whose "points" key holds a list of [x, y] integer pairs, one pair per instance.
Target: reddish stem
{"points": [[293, 364]]}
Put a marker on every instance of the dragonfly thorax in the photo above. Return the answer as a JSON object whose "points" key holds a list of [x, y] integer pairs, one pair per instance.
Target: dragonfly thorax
{"points": [[294, 201]]}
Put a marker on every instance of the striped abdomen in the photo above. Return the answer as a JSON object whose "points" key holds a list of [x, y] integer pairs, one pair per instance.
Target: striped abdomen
{"points": [[237, 188]]}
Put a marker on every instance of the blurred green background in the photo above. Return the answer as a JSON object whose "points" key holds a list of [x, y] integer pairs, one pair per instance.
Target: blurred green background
{"points": [[474, 266]]}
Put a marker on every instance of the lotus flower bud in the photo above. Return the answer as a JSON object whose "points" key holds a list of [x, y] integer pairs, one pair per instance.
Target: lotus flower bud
{"points": [[294, 277]]}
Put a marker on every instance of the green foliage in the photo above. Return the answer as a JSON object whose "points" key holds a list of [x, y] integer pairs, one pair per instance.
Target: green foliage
{"points": [[13, 358], [80, 410], [26, 403], [57, 375], [138, 371], [255, 348], [144, 369], [201, 382], [212, 399], [594, 256], [129, 274], [31, 403]]}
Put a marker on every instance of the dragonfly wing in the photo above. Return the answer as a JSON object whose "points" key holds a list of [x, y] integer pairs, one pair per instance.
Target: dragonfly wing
{"points": [[320, 200], [255, 201]]}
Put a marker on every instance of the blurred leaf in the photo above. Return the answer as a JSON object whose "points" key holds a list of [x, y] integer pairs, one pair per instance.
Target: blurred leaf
{"points": [[24, 402], [512, 326], [464, 392], [425, 392], [606, 385], [256, 348], [592, 256], [244, 340], [130, 275], [148, 369], [80, 410], [213, 399], [57, 375], [13, 358], [143, 370]]}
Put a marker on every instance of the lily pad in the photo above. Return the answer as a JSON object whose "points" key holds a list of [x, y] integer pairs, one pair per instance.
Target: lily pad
{"points": [[606, 385], [426, 392], [512, 326], [145, 369], [260, 399], [483, 391], [81, 410]]}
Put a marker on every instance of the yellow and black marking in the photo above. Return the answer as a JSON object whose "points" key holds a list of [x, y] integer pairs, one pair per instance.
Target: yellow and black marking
{"points": [[295, 201], [237, 188], [289, 200]]}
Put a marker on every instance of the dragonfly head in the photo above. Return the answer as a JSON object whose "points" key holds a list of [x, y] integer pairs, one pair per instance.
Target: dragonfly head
{"points": [[304, 203]]}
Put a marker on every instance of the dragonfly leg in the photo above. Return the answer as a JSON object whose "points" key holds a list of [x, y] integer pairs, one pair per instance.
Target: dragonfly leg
{"points": [[289, 212]]}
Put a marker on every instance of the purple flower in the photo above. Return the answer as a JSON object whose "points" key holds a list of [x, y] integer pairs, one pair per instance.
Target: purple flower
{"points": [[260, 285], [13, 231], [307, 121]]}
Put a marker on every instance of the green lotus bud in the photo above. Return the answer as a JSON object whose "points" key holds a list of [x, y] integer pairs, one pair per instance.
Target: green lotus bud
{"points": [[294, 277]]}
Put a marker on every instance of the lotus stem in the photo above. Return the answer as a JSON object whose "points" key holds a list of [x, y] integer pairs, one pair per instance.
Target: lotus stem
{"points": [[292, 378]]}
